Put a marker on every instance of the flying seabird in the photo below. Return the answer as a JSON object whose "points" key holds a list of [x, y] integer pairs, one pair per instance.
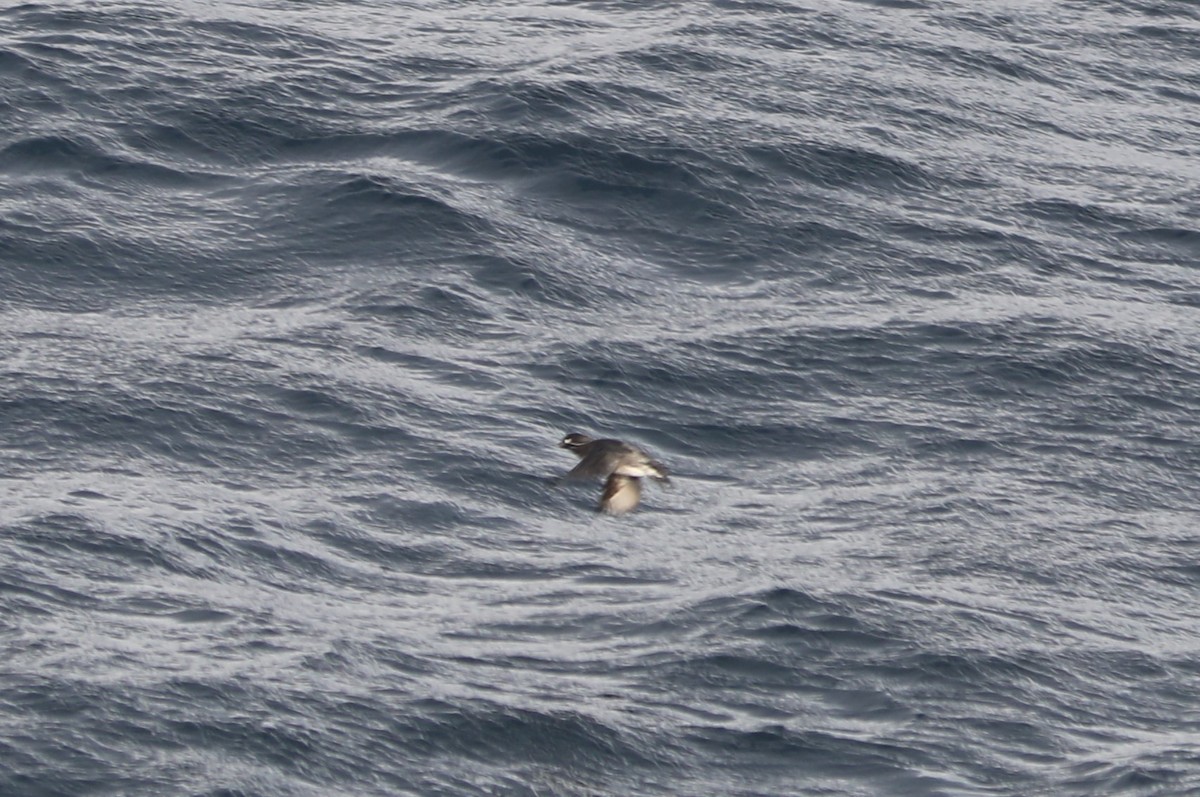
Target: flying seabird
{"points": [[620, 464]]}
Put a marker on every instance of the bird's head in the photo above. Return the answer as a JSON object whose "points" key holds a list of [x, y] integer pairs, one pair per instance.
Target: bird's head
{"points": [[574, 440]]}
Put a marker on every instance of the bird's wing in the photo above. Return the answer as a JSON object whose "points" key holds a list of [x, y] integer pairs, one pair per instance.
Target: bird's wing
{"points": [[621, 494], [594, 465]]}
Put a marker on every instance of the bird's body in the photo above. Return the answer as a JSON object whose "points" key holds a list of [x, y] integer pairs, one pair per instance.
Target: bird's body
{"points": [[620, 464]]}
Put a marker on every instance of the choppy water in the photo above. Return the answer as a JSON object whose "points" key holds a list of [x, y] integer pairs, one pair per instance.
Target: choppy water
{"points": [[297, 298]]}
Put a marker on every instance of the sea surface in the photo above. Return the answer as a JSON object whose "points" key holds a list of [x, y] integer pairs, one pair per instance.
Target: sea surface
{"points": [[298, 298]]}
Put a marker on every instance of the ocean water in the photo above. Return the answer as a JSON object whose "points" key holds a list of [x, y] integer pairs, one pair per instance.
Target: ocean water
{"points": [[296, 300]]}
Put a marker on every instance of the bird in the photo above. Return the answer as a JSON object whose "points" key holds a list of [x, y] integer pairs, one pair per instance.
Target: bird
{"points": [[620, 464]]}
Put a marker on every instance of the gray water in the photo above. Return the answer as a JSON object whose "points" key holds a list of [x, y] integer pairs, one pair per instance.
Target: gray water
{"points": [[296, 301]]}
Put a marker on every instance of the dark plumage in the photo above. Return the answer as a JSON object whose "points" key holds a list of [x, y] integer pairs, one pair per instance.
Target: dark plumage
{"points": [[620, 464]]}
